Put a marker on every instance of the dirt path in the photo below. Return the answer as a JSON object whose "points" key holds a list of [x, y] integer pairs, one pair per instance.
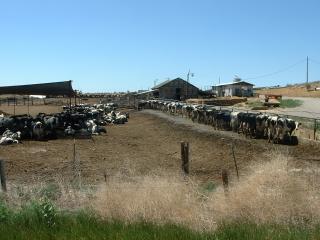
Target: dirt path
{"points": [[309, 108]]}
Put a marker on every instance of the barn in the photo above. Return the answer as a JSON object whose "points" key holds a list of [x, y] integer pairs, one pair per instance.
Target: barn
{"points": [[177, 89], [235, 88]]}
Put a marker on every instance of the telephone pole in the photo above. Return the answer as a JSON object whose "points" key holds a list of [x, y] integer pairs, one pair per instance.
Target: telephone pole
{"points": [[188, 76], [307, 69]]}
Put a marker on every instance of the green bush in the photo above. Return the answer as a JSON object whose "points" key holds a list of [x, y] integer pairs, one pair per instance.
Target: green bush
{"points": [[290, 103]]}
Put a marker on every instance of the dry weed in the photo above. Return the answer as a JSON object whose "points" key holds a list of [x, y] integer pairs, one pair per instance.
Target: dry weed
{"points": [[273, 192]]}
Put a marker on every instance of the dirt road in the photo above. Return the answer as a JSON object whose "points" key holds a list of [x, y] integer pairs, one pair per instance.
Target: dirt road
{"points": [[309, 108]]}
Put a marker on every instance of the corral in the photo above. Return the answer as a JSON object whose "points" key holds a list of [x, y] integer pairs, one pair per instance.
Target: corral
{"points": [[148, 142]]}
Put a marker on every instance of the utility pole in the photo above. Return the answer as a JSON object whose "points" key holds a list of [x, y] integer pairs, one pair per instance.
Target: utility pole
{"points": [[307, 69], [155, 82], [187, 84]]}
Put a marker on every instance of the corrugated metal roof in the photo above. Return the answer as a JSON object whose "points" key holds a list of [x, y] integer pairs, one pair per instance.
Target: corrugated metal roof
{"points": [[145, 92], [162, 84], [234, 83], [168, 81], [53, 89]]}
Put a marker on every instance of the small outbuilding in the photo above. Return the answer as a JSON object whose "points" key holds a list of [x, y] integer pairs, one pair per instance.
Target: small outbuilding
{"points": [[237, 88]]}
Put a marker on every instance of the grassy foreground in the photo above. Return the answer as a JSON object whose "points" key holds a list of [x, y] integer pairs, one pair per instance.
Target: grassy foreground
{"points": [[42, 221]]}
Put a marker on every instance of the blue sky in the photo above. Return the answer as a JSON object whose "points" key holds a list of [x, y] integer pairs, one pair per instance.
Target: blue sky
{"points": [[127, 44]]}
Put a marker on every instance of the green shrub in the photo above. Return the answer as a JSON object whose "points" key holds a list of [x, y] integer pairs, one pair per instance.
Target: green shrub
{"points": [[290, 103], [47, 212], [209, 187]]}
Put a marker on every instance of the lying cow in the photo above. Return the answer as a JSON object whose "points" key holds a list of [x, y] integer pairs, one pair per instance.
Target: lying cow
{"points": [[94, 129], [9, 137]]}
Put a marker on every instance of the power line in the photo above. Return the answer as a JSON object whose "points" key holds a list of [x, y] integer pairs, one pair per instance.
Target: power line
{"points": [[314, 61], [276, 72]]}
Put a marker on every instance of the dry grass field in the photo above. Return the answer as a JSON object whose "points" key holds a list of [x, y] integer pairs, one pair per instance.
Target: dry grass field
{"points": [[298, 90]]}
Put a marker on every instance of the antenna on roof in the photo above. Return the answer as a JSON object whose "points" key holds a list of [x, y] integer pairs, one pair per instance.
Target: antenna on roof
{"points": [[237, 78]]}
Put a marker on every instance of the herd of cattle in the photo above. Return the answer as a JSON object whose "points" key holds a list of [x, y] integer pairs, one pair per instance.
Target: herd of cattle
{"points": [[83, 119], [255, 125]]}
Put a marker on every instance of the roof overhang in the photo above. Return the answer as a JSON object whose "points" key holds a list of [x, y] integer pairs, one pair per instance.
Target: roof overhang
{"points": [[53, 89]]}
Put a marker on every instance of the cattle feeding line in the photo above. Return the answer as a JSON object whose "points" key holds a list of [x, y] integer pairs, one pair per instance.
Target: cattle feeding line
{"points": [[277, 128]]}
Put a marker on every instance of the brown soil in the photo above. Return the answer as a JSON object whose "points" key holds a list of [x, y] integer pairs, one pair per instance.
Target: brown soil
{"points": [[148, 142]]}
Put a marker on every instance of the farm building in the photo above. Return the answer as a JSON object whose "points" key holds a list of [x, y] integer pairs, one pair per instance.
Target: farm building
{"points": [[177, 89], [236, 88]]}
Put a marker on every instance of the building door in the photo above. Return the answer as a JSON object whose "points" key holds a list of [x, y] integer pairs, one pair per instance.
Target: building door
{"points": [[178, 94], [238, 92]]}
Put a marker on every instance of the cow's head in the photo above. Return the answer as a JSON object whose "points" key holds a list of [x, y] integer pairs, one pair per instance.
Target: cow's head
{"points": [[38, 125]]}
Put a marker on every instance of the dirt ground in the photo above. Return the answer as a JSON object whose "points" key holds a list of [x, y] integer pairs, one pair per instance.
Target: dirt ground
{"points": [[148, 142]]}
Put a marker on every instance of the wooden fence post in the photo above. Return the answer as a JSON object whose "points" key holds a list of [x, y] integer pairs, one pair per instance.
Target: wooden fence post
{"points": [[185, 157], [74, 153], [3, 176], [182, 152], [234, 160], [225, 180], [186, 153], [28, 105], [14, 106], [105, 176], [314, 129]]}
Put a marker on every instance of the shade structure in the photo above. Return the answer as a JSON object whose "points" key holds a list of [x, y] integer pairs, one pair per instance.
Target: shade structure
{"points": [[48, 89]]}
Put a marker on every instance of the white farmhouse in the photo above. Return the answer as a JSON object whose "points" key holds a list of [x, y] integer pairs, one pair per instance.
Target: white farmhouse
{"points": [[237, 88]]}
